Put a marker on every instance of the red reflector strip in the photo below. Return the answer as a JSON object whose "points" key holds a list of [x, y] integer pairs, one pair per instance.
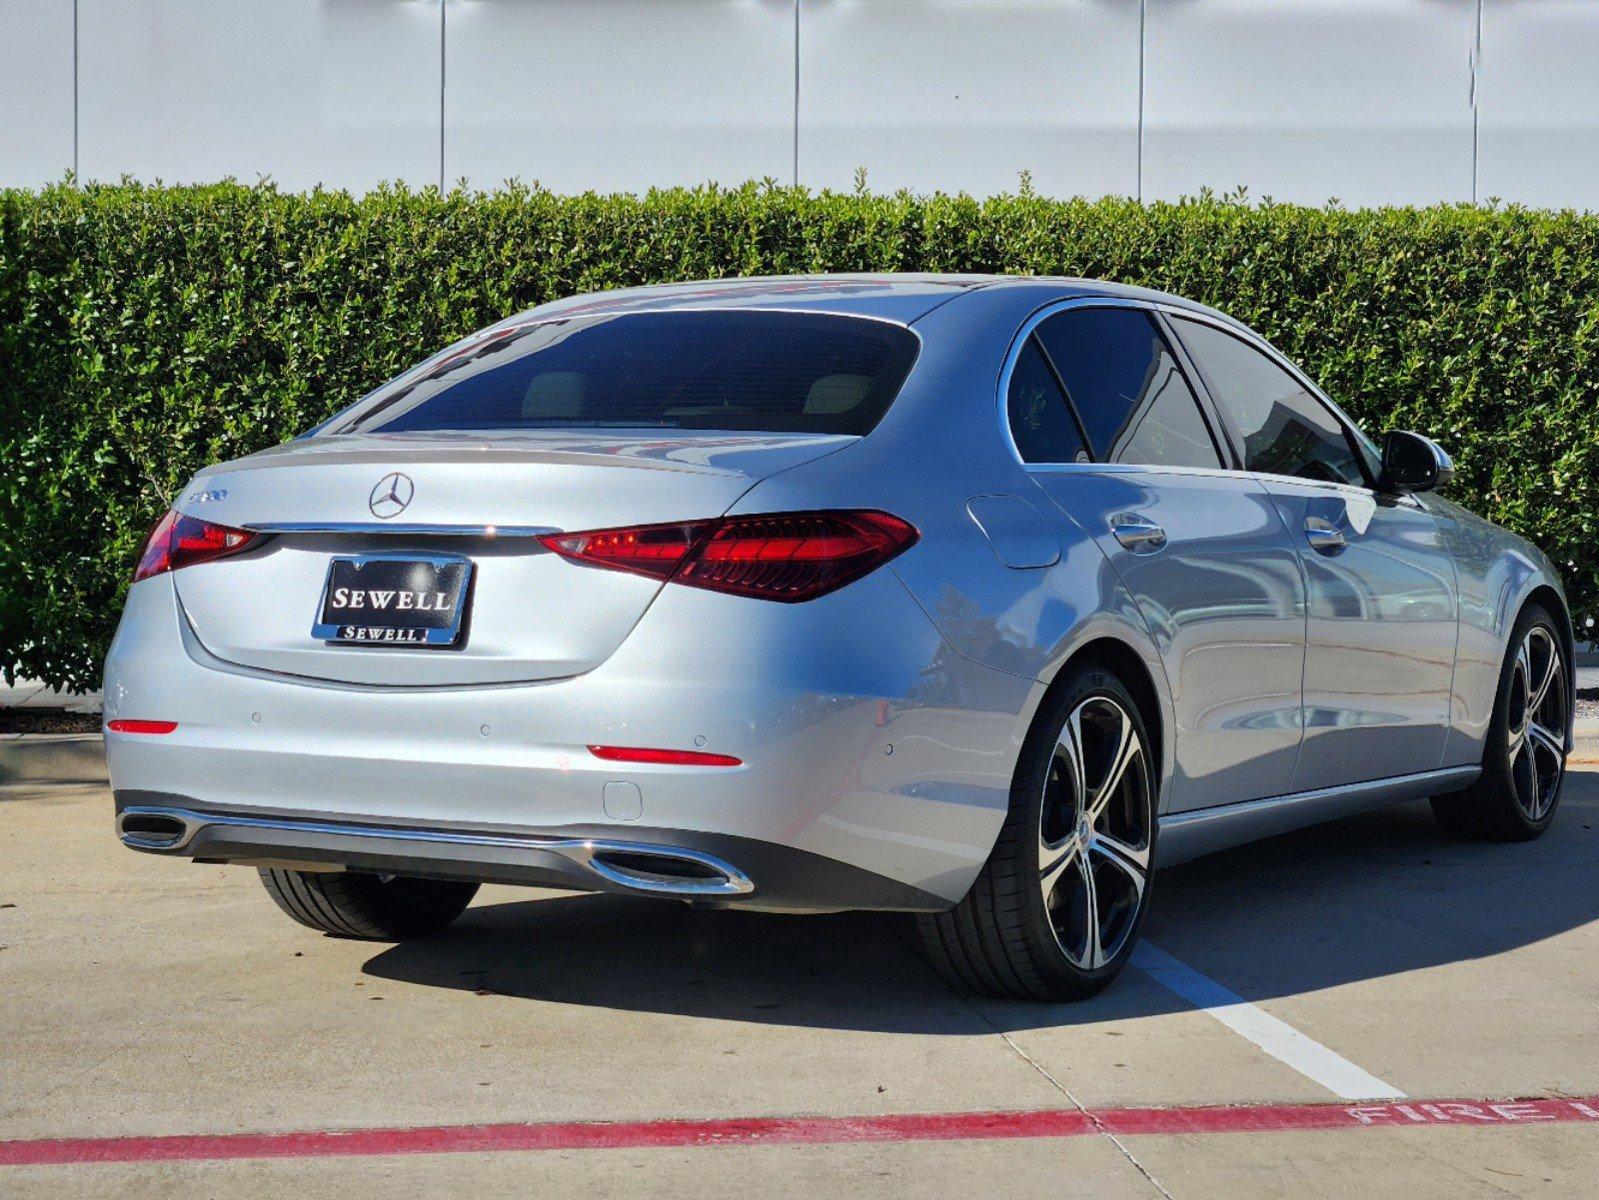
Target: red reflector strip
{"points": [[676, 758], [141, 726]]}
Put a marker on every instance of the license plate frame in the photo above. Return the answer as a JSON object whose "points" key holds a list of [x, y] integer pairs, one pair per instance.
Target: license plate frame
{"points": [[425, 628]]}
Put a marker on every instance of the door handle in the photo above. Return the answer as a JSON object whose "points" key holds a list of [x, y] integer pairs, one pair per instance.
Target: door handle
{"points": [[1324, 537], [1138, 534]]}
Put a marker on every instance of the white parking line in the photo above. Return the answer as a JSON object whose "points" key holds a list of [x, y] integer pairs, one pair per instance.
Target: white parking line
{"points": [[1277, 1038]]}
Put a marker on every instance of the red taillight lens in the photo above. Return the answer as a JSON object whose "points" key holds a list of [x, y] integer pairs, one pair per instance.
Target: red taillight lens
{"points": [[780, 556], [655, 550], [180, 541]]}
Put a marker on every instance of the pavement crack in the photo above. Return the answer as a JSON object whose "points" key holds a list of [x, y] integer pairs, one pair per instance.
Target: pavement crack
{"points": [[1091, 1117]]}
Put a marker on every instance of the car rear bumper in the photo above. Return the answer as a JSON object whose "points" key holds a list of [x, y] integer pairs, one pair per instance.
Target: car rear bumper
{"points": [[876, 764], [704, 868]]}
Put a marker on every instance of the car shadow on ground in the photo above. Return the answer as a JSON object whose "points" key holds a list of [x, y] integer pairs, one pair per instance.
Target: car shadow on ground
{"points": [[1358, 899]]}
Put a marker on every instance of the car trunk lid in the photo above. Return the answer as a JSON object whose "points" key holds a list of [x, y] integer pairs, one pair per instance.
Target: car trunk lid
{"points": [[529, 615]]}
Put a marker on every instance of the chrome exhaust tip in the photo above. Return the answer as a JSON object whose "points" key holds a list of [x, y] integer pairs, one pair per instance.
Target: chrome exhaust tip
{"points": [[155, 828], [668, 871]]}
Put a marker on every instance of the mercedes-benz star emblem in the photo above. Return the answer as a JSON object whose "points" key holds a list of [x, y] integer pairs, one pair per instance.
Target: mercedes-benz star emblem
{"points": [[391, 496]]}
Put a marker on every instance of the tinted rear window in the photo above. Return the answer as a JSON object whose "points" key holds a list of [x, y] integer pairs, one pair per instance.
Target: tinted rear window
{"points": [[729, 370]]}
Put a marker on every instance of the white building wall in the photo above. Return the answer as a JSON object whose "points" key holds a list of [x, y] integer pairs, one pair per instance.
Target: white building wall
{"points": [[344, 92], [1371, 101], [36, 115], [1365, 100], [964, 94], [618, 94], [1539, 88]]}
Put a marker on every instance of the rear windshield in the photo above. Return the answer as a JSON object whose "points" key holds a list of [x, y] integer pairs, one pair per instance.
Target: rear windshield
{"points": [[729, 370]]}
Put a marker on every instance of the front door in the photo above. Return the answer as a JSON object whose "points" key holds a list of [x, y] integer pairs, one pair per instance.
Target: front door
{"points": [[1379, 584]]}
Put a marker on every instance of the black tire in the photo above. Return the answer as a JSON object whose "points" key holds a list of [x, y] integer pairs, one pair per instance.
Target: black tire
{"points": [[387, 908], [1524, 761], [1006, 937]]}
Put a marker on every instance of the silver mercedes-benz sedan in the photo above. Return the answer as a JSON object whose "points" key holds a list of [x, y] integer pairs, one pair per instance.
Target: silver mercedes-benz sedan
{"points": [[971, 597]]}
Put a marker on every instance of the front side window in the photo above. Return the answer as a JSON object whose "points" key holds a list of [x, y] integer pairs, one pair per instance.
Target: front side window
{"points": [[1127, 389], [715, 370], [1286, 430]]}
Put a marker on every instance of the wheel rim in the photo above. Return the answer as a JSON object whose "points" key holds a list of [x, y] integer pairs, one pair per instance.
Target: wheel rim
{"points": [[1094, 833], [1536, 723]]}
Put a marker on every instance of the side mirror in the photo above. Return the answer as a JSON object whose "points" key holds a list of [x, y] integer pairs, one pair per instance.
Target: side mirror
{"points": [[1412, 463]]}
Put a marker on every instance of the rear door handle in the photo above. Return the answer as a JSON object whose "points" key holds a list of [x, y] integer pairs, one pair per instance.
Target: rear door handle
{"points": [[1324, 537], [1138, 534]]}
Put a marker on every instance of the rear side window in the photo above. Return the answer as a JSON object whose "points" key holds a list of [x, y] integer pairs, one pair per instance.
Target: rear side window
{"points": [[1286, 430], [722, 370], [1040, 422], [1127, 389]]}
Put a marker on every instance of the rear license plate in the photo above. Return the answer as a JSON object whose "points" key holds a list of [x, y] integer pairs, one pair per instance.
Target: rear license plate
{"points": [[394, 600]]}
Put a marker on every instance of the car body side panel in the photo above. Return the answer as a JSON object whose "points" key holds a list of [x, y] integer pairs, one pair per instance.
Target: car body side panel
{"points": [[1496, 572]]}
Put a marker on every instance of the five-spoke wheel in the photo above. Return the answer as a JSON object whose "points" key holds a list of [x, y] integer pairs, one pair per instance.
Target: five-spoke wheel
{"points": [[1536, 725], [1524, 756], [1055, 912], [1093, 832]]}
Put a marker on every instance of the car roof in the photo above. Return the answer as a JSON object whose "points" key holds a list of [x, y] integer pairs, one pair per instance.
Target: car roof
{"points": [[902, 297]]}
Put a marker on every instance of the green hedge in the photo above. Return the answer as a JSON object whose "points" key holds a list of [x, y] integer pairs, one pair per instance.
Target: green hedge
{"points": [[146, 332]]}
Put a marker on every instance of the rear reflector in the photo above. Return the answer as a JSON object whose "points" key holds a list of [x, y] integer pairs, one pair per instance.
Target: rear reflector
{"points": [[124, 726], [180, 541], [779, 556], [678, 758]]}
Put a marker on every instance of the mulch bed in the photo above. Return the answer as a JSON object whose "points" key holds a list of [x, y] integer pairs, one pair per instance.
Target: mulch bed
{"points": [[47, 720]]}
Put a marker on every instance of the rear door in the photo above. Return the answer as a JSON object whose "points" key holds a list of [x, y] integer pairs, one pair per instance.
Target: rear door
{"points": [[1109, 426], [1381, 622]]}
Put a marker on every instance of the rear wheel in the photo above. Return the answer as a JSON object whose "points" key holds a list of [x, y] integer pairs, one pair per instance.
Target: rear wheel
{"points": [[1524, 761], [1056, 910], [377, 907]]}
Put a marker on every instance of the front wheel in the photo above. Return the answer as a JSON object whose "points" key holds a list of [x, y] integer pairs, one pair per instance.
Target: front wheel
{"points": [[1056, 910], [387, 908], [1524, 760]]}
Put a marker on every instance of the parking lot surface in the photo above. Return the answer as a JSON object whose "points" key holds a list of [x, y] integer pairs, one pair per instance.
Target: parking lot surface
{"points": [[1363, 1009]]}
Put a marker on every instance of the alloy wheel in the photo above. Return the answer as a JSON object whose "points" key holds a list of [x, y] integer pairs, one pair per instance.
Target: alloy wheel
{"points": [[1094, 833], [1536, 723]]}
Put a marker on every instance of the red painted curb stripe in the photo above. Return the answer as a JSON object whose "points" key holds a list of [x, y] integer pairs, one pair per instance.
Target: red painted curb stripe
{"points": [[794, 1131]]}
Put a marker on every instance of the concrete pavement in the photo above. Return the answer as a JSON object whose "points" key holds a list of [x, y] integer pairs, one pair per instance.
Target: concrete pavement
{"points": [[150, 997]]}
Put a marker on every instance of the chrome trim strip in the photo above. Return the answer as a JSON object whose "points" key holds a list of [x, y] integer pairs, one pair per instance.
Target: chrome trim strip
{"points": [[582, 851], [1187, 835], [484, 531]]}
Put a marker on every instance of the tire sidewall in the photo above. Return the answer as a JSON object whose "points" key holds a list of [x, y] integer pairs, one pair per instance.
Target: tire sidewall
{"points": [[1027, 798], [1496, 754]]}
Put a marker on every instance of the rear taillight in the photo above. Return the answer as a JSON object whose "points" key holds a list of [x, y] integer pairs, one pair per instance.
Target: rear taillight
{"points": [[180, 541], [779, 556]]}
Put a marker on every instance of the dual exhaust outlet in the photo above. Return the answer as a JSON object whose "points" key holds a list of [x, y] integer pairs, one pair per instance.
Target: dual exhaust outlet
{"points": [[671, 871]]}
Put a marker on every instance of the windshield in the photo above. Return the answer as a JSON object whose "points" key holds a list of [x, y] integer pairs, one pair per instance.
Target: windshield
{"points": [[774, 372]]}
